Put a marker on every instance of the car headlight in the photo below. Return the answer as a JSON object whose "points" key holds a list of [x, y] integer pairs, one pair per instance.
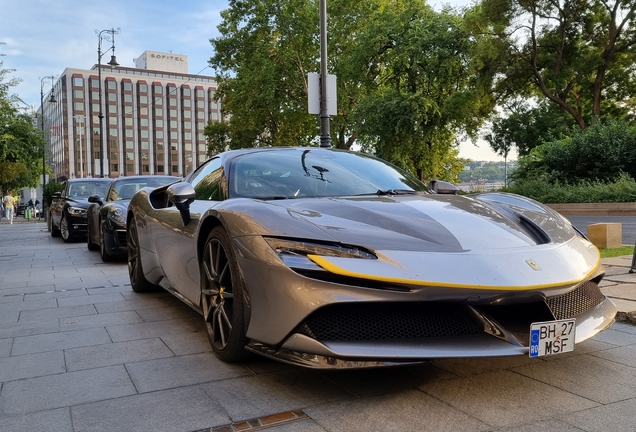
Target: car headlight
{"points": [[76, 211], [294, 252], [116, 215]]}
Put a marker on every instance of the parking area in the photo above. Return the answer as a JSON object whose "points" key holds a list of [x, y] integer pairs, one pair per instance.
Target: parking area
{"points": [[80, 351]]}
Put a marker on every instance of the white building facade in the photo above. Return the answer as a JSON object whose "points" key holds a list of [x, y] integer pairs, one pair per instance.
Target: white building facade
{"points": [[153, 119]]}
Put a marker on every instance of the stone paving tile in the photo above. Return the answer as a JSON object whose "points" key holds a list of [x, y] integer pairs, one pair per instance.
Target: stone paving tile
{"points": [[9, 316], [31, 365], [187, 343], [551, 425], [625, 328], [59, 340], [53, 294], [30, 305], [11, 298], [91, 299], [148, 330], [98, 320], [28, 328], [626, 278], [162, 374], [109, 289], [57, 420], [625, 291], [578, 377], [367, 382], [466, 367], [129, 305], [307, 425], [286, 391], [616, 417], [151, 412], [5, 347], [496, 398], [58, 312], [63, 390], [115, 353], [623, 355], [616, 337], [408, 410], [166, 313]]}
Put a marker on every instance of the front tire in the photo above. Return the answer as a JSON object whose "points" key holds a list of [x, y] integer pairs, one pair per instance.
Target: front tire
{"points": [[65, 229], [55, 231], [92, 246], [106, 257], [138, 281], [222, 298]]}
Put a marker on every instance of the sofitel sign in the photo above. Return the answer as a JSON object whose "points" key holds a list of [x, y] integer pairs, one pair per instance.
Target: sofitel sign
{"points": [[167, 57]]}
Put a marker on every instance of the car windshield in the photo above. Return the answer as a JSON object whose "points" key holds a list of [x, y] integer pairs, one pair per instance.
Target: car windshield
{"points": [[124, 189], [84, 189], [294, 173]]}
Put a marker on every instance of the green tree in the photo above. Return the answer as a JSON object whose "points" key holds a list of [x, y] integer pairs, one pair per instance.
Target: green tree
{"points": [[421, 93], [577, 54], [524, 127], [21, 143]]}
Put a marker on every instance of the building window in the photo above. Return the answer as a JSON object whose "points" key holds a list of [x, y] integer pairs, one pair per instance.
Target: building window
{"points": [[145, 145], [130, 168], [130, 156], [159, 134], [173, 136], [129, 133], [130, 144], [78, 94], [114, 167], [78, 82], [128, 86], [79, 106], [143, 122], [143, 88], [159, 168], [112, 97], [175, 168], [143, 99], [128, 98], [146, 168], [112, 85], [187, 103]]}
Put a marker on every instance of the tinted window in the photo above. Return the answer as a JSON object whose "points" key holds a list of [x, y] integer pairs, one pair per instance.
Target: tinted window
{"points": [[127, 187], [84, 189], [315, 173]]}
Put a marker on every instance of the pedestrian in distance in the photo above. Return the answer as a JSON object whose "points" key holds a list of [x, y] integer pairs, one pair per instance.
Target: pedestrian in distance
{"points": [[9, 206]]}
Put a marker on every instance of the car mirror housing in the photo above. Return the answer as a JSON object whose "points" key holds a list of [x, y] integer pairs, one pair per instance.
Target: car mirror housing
{"points": [[95, 199], [181, 195], [442, 187]]}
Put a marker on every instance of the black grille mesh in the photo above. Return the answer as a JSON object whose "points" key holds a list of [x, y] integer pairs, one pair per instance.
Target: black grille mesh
{"points": [[369, 321], [121, 237], [577, 301]]}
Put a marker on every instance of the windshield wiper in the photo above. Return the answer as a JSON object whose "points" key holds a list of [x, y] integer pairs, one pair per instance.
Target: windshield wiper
{"points": [[395, 192]]}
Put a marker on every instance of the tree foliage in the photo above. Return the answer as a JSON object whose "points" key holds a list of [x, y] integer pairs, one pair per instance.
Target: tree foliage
{"points": [[524, 126], [405, 81], [21, 143], [601, 152], [577, 54]]}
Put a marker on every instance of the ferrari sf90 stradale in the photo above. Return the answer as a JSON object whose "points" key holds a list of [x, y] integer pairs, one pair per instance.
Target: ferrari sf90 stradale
{"points": [[334, 259]]}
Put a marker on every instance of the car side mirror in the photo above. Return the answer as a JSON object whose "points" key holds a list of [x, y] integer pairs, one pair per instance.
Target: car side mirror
{"points": [[95, 199], [442, 187], [182, 194]]}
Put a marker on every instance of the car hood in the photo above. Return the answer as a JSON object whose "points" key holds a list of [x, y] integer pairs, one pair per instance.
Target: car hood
{"points": [[434, 223], [491, 242]]}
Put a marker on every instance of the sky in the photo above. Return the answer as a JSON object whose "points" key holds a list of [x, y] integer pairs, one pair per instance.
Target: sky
{"points": [[42, 38]]}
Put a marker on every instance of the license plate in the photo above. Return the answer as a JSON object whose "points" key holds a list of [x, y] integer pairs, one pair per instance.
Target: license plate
{"points": [[552, 337]]}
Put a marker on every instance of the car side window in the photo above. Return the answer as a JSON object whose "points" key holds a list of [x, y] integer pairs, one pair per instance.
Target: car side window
{"points": [[207, 181]]}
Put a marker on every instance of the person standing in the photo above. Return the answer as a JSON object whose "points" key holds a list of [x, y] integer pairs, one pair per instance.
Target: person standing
{"points": [[9, 206]]}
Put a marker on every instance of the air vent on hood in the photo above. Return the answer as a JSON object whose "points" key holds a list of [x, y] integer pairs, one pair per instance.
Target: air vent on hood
{"points": [[533, 230]]}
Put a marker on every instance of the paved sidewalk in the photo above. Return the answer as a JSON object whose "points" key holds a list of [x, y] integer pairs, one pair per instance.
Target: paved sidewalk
{"points": [[80, 351]]}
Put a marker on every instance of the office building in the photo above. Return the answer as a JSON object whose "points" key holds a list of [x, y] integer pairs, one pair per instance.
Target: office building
{"points": [[153, 119]]}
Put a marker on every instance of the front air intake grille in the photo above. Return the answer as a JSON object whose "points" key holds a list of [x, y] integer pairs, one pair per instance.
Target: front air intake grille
{"points": [[577, 301], [371, 321], [121, 237]]}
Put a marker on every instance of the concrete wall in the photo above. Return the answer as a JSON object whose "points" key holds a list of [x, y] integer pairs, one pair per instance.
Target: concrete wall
{"points": [[596, 209]]}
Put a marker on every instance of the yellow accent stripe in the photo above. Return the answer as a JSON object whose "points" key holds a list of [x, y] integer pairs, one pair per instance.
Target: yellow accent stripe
{"points": [[332, 268]]}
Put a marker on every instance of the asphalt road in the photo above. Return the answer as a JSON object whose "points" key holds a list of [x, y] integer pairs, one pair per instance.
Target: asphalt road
{"points": [[628, 225]]}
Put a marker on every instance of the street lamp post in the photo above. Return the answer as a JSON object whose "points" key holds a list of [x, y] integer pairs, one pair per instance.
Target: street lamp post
{"points": [[108, 34], [51, 100], [325, 135]]}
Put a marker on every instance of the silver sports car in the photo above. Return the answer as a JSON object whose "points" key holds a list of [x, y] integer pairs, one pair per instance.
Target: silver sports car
{"points": [[335, 259]]}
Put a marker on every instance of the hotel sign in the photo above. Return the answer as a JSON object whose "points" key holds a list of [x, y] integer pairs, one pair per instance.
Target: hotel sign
{"points": [[167, 57]]}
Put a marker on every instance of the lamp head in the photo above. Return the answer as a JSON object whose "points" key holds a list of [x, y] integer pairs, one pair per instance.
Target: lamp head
{"points": [[113, 61], [52, 99]]}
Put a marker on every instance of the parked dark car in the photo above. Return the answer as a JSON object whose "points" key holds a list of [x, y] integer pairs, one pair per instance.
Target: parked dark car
{"points": [[106, 217], [68, 208]]}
